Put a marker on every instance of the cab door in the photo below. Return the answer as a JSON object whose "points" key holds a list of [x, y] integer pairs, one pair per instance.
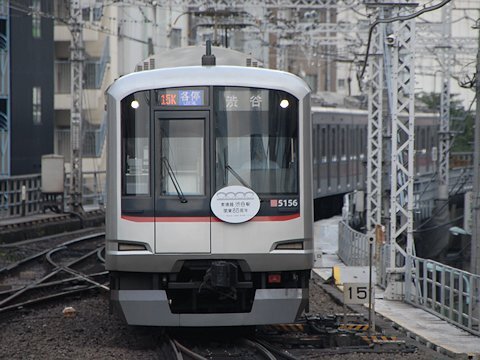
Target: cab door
{"points": [[182, 194]]}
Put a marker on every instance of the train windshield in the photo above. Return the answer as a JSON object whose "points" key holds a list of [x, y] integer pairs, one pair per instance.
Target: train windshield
{"points": [[256, 133]]}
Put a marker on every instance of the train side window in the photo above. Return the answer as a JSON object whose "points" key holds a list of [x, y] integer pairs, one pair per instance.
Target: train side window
{"points": [[324, 145], [343, 145], [135, 128], [333, 144], [354, 148]]}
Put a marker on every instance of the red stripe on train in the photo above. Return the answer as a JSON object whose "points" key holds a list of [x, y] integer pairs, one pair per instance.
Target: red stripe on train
{"points": [[205, 218]]}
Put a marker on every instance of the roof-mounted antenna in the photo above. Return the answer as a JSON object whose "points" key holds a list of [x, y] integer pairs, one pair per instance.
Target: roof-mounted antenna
{"points": [[208, 59]]}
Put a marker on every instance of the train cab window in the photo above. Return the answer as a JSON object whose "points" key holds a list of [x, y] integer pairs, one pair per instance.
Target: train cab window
{"points": [[182, 156], [256, 132], [135, 128]]}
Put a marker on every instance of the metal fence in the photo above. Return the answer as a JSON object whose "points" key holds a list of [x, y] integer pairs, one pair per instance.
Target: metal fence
{"points": [[13, 204], [93, 141], [4, 152], [352, 246], [447, 292]]}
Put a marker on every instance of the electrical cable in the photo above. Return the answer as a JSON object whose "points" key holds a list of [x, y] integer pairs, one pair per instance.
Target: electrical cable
{"points": [[393, 19]]}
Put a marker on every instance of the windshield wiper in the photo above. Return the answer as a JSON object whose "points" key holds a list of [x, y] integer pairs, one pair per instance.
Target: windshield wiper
{"points": [[238, 177], [175, 182]]}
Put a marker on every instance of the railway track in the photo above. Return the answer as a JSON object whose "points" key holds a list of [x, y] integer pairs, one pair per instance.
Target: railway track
{"points": [[309, 338], [51, 268], [241, 348]]}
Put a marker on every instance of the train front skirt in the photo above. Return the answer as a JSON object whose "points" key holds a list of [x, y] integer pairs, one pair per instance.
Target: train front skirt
{"points": [[151, 308]]}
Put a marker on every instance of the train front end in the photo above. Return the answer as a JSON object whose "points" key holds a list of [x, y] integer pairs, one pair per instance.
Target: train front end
{"points": [[209, 214]]}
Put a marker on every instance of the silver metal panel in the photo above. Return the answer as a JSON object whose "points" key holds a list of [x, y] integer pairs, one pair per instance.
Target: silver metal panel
{"points": [[182, 237], [270, 306], [149, 262], [254, 236], [206, 76]]}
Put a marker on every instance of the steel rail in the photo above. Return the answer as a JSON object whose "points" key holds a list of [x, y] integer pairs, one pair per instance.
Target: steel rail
{"points": [[46, 277], [188, 352], [71, 271], [259, 347], [47, 297], [43, 252], [52, 283], [273, 349], [178, 353]]}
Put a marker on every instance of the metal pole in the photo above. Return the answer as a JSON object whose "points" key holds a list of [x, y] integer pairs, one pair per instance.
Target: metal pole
{"points": [[371, 298], [76, 68], [475, 246]]}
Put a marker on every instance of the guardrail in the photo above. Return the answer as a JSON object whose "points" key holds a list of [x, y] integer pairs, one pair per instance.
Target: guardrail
{"points": [[447, 292]]}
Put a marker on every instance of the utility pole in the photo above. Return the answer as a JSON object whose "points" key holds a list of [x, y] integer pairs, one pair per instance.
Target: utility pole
{"points": [[475, 246], [76, 78]]}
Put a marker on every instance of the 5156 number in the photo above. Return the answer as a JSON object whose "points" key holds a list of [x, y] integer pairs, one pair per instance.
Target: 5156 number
{"points": [[288, 203]]}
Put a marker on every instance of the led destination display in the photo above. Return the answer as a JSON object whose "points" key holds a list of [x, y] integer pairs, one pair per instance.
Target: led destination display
{"points": [[181, 97]]}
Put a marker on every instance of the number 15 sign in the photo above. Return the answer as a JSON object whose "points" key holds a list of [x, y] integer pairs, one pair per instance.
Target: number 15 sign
{"points": [[355, 293]]}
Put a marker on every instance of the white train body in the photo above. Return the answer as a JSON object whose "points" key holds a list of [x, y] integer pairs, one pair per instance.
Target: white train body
{"points": [[209, 216]]}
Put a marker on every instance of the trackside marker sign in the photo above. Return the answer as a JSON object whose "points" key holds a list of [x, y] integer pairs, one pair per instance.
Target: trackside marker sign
{"points": [[235, 204]]}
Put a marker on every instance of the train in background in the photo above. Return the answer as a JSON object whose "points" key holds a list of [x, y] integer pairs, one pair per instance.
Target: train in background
{"points": [[339, 138], [210, 206]]}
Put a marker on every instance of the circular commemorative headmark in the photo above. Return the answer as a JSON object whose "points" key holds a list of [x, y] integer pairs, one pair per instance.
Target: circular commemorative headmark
{"points": [[235, 204]]}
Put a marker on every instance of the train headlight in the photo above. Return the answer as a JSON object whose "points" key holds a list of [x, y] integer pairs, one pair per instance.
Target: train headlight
{"points": [[131, 247], [284, 103], [297, 245], [135, 104]]}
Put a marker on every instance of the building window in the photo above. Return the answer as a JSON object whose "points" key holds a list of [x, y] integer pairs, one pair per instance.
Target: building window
{"points": [[311, 80], [36, 19], [175, 38], [37, 105]]}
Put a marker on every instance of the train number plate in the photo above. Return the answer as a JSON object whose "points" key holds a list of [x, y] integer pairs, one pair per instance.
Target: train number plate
{"points": [[284, 203]]}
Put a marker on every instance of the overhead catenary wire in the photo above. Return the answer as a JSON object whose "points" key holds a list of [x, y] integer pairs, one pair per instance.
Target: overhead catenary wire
{"points": [[393, 19]]}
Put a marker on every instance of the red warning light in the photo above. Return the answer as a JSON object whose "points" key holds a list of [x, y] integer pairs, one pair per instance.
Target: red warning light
{"points": [[274, 278]]}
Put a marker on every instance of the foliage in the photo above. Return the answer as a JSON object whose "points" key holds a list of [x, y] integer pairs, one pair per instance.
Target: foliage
{"points": [[461, 119]]}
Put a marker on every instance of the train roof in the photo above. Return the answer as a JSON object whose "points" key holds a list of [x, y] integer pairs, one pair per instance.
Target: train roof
{"points": [[338, 110], [208, 76], [330, 110], [192, 55]]}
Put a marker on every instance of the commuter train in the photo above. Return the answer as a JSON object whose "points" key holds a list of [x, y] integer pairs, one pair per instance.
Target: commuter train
{"points": [[209, 190], [340, 153]]}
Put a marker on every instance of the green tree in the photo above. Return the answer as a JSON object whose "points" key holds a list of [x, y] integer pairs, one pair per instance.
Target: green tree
{"points": [[461, 120]]}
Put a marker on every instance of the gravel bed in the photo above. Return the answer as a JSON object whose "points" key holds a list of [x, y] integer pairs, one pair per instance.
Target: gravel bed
{"points": [[44, 332]]}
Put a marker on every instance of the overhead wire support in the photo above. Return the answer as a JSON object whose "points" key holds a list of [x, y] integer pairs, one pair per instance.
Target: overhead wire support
{"points": [[76, 87], [444, 133], [375, 129], [401, 51]]}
